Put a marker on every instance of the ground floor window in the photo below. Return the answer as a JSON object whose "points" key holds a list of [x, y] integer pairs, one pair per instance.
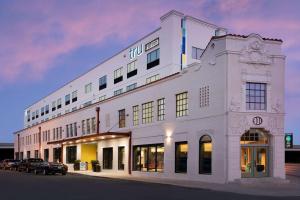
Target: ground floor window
{"points": [[28, 154], [57, 155], [205, 155], [181, 155], [148, 158], [108, 158], [121, 158], [46, 155], [71, 154], [21, 156], [36, 153]]}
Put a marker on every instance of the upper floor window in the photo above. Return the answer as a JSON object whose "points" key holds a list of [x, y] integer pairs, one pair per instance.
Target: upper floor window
{"points": [[28, 115], [153, 59], [74, 96], [161, 109], [42, 111], [182, 104], [59, 103], [53, 105], [102, 82], [131, 69], [37, 114], [117, 92], [131, 87], [47, 109], [33, 115], [152, 78], [67, 99], [122, 120], [103, 97], [135, 115], [88, 88], [147, 112], [256, 97], [196, 53], [118, 76]]}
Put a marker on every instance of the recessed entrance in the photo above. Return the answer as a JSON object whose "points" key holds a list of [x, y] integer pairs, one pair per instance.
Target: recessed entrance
{"points": [[89, 153], [254, 154]]}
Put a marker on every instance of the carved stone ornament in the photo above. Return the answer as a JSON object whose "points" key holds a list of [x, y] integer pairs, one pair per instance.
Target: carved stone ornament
{"points": [[277, 106], [255, 53]]}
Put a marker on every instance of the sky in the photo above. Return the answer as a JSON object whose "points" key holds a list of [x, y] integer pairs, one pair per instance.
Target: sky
{"points": [[45, 44]]}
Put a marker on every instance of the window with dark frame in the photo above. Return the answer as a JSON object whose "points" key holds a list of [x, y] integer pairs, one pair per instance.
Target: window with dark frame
{"points": [[102, 82], [118, 76], [67, 99], [182, 104], [121, 158], [74, 96], [135, 110], [71, 154], [161, 109], [256, 96], [181, 155], [131, 69], [148, 158], [147, 112], [205, 155], [122, 118], [108, 158], [196, 53], [153, 59]]}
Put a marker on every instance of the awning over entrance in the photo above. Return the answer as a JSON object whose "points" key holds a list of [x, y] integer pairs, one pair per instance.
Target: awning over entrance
{"points": [[92, 138]]}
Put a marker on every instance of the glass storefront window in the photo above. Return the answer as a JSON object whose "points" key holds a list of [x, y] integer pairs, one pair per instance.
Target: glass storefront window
{"points": [[181, 152], [71, 154], [205, 155], [121, 158], [148, 158], [108, 158]]}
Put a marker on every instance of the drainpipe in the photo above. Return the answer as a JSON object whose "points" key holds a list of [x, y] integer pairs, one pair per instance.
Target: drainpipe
{"points": [[40, 143], [62, 153], [98, 120], [18, 147]]}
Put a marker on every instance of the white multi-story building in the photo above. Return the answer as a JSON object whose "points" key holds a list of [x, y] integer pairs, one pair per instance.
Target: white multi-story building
{"points": [[188, 101]]}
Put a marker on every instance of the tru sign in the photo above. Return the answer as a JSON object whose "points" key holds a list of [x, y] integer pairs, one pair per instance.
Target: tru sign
{"points": [[136, 51]]}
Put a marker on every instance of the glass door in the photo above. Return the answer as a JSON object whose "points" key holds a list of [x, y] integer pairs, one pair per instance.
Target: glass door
{"points": [[247, 161], [261, 162]]}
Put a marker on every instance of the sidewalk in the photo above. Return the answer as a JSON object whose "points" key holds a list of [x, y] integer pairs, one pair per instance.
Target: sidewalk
{"points": [[265, 187]]}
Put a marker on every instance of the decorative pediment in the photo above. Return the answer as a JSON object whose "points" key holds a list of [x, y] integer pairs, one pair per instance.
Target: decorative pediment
{"points": [[255, 53]]}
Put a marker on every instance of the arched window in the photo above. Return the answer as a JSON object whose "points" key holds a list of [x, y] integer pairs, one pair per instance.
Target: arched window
{"points": [[205, 154], [254, 136]]}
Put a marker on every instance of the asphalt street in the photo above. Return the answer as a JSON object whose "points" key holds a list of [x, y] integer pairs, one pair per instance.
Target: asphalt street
{"points": [[23, 186]]}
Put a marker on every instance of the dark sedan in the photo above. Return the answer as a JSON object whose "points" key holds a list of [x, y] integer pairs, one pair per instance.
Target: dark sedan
{"points": [[29, 164], [51, 168]]}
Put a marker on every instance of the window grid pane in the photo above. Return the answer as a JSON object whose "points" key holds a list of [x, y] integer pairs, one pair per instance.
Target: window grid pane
{"points": [[147, 112], [181, 104], [255, 96], [135, 115], [161, 109]]}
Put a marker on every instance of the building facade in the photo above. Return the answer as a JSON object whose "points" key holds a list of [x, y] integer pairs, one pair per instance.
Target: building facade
{"points": [[188, 101]]}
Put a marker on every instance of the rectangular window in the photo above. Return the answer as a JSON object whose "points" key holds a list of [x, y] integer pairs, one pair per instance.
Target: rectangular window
{"points": [[83, 127], [71, 130], [204, 96], [47, 109], [71, 154], [88, 88], [42, 111], [88, 126], [36, 153], [182, 104], [53, 106], [131, 87], [28, 115], [118, 76], [256, 96], [102, 82], [67, 130], [121, 158], [37, 114], [59, 103], [196, 53], [67, 99], [131, 69], [148, 158], [153, 59], [33, 115], [93, 125], [74, 96], [46, 155], [152, 78], [118, 92], [181, 155], [147, 112], [108, 158], [57, 154], [161, 109], [135, 115], [103, 97], [122, 118]]}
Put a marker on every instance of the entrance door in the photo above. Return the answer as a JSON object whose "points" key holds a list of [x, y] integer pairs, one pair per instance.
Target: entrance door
{"points": [[254, 161]]}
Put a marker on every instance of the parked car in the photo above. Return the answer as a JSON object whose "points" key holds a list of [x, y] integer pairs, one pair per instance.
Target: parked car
{"points": [[1, 164], [8, 164], [15, 165], [29, 164], [51, 168]]}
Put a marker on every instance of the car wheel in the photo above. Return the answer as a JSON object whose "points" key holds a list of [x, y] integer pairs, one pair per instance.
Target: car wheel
{"points": [[64, 173], [45, 172]]}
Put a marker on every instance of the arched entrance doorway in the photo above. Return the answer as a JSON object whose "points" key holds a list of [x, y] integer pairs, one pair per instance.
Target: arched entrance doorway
{"points": [[255, 153]]}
